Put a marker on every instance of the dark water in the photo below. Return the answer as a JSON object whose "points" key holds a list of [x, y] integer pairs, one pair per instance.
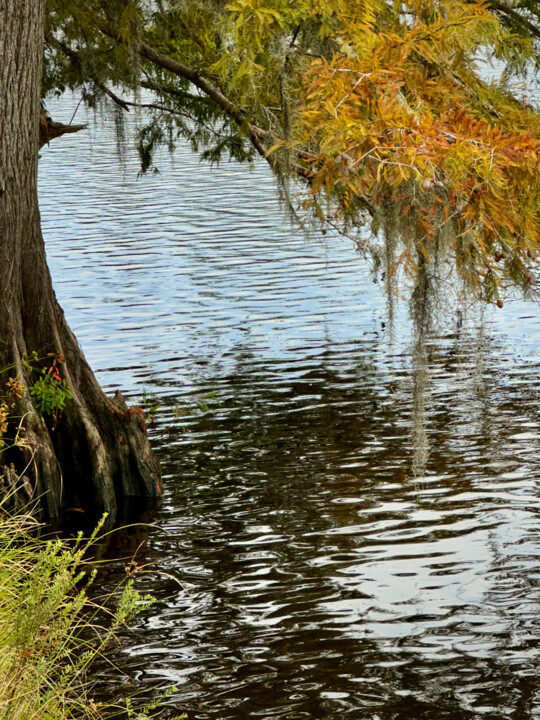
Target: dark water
{"points": [[299, 569]]}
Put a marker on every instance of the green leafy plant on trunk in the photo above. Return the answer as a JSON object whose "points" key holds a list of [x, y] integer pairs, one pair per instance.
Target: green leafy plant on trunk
{"points": [[50, 391]]}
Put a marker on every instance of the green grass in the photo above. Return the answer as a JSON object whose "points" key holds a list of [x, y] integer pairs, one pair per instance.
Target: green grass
{"points": [[49, 630]]}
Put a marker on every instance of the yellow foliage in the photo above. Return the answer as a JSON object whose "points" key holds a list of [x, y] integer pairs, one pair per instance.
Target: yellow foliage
{"points": [[407, 113]]}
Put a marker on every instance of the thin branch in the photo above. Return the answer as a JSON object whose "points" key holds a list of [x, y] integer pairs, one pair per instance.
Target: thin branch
{"points": [[114, 97], [515, 16]]}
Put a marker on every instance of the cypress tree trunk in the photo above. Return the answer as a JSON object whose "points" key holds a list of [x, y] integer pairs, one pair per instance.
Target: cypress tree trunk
{"points": [[96, 451]]}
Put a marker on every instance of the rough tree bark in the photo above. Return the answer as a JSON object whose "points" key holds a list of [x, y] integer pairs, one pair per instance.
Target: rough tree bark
{"points": [[98, 450]]}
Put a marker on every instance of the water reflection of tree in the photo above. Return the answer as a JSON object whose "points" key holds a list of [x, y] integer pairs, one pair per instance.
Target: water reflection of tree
{"points": [[259, 491], [349, 410]]}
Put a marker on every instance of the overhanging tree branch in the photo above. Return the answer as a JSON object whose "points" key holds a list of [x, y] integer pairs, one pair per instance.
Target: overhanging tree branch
{"points": [[255, 134], [183, 71]]}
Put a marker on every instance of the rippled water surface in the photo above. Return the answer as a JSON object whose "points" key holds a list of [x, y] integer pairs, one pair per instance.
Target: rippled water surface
{"points": [[300, 570]]}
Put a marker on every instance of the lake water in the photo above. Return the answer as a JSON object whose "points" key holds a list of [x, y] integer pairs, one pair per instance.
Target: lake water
{"points": [[299, 568]]}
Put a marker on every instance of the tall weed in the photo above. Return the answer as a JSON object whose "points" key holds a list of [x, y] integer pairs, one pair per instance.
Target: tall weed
{"points": [[49, 628]]}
